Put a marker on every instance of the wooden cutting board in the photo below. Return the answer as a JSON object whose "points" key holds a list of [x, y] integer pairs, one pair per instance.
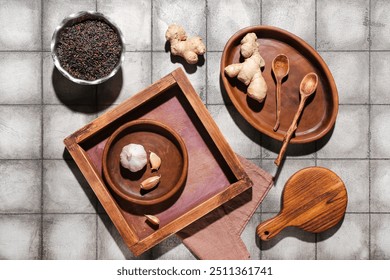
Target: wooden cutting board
{"points": [[314, 199]]}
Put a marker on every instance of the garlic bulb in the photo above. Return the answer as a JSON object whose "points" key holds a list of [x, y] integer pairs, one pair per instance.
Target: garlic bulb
{"points": [[133, 157]]}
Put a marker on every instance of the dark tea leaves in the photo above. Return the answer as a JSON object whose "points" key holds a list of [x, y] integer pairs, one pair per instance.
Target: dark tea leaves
{"points": [[89, 50]]}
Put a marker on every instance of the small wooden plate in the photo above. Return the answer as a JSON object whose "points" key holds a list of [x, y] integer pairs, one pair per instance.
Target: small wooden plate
{"points": [[320, 112], [155, 137]]}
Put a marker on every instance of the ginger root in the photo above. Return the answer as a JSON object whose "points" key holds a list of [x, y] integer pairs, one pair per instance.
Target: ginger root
{"points": [[188, 48], [249, 71]]}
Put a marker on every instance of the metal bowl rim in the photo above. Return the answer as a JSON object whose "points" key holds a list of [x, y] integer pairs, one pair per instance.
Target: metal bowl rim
{"points": [[54, 43]]}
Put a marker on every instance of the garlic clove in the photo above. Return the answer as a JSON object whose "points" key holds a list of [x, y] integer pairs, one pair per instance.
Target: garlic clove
{"points": [[150, 183], [153, 219], [155, 161]]}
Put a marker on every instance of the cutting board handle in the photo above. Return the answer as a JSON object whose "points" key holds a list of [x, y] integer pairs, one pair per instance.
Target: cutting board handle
{"points": [[270, 228]]}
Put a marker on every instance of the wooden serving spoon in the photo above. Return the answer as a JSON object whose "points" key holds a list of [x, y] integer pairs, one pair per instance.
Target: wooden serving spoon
{"points": [[314, 199], [280, 67], [307, 87]]}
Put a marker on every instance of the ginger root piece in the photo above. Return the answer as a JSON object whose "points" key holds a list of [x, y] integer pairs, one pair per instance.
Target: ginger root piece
{"points": [[181, 45], [249, 71]]}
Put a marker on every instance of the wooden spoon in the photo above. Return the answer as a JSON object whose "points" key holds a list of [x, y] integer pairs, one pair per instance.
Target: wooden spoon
{"points": [[308, 87], [280, 67], [314, 199]]}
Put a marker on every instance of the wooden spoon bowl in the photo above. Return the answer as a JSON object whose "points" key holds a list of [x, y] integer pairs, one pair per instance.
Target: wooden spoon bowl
{"points": [[308, 85], [280, 68]]}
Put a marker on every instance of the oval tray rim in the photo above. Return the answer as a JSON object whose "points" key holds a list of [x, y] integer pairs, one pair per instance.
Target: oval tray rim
{"points": [[263, 129]]}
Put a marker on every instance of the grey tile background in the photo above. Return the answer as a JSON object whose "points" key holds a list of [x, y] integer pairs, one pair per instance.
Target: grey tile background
{"points": [[48, 211], [24, 19], [350, 241], [343, 25], [16, 67], [296, 16]]}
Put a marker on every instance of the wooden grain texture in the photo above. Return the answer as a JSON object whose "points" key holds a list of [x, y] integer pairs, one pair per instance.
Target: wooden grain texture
{"points": [[130, 104], [215, 174], [280, 69], [307, 88], [210, 125], [321, 111], [153, 136], [314, 199], [89, 171]]}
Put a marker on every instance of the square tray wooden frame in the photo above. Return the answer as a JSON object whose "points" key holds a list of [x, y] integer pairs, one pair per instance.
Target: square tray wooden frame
{"points": [[76, 147]]}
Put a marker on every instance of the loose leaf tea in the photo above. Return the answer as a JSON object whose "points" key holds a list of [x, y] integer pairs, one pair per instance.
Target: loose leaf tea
{"points": [[89, 50]]}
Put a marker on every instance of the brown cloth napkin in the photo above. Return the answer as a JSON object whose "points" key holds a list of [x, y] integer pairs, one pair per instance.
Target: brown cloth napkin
{"points": [[216, 236]]}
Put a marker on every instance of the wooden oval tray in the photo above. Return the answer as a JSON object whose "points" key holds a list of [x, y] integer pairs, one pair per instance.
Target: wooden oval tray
{"points": [[320, 112], [156, 137]]}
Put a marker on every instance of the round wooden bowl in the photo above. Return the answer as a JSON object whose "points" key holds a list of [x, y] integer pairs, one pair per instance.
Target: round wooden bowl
{"points": [[320, 111], [155, 137]]}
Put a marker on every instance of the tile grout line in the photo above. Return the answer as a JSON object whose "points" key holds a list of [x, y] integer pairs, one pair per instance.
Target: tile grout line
{"points": [[206, 63], [347, 212], [261, 12], [379, 50], [151, 65], [324, 159], [249, 158], [341, 51], [93, 213], [21, 51], [96, 232], [211, 51], [316, 142], [315, 25], [261, 204], [96, 204], [369, 129], [151, 41], [212, 104], [315, 46], [261, 251], [261, 135], [42, 108], [48, 213]]}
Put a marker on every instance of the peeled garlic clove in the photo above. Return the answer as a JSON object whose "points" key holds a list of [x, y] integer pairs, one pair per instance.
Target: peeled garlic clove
{"points": [[155, 161], [150, 183], [133, 157], [153, 219]]}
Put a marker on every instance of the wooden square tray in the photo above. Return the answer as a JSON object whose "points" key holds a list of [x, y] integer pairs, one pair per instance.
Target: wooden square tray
{"points": [[215, 175]]}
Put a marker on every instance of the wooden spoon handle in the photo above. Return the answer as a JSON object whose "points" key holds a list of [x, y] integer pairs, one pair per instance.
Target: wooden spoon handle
{"points": [[270, 228], [278, 104], [290, 131], [283, 150]]}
